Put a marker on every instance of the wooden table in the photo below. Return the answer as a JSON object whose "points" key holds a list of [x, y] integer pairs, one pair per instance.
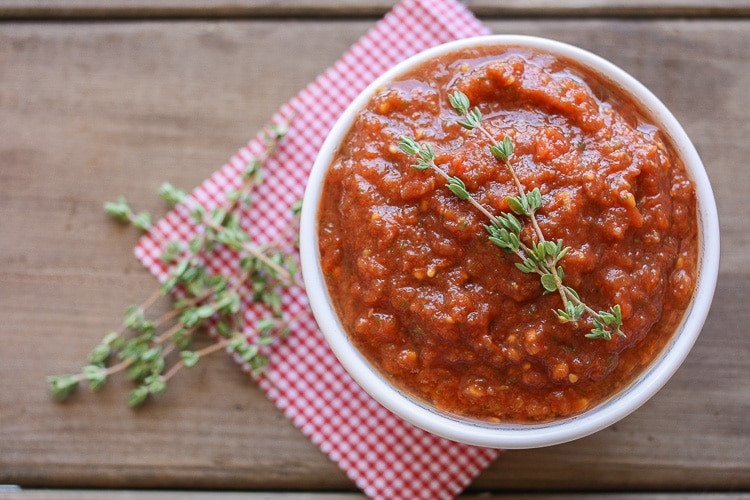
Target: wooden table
{"points": [[103, 98]]}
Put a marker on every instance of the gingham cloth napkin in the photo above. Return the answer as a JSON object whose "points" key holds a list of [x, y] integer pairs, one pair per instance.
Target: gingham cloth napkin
{"points": [[386, 457]]}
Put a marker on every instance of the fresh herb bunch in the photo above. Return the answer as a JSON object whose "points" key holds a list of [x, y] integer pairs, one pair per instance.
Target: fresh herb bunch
{"points": [[152, 351], [538, 256]]}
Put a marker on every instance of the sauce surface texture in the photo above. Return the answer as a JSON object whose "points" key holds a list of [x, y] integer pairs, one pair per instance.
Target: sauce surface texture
{"points": [[444, 314]]}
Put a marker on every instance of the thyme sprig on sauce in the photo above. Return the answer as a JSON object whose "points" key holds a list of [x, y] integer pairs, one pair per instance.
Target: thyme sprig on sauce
{"points": [[539, 256], [150, 351]]}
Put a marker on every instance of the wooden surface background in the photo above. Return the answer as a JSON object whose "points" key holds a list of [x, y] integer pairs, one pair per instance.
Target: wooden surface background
{"points": [[106, 98]]}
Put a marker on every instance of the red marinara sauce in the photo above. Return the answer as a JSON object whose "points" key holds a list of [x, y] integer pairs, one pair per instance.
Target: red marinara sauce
{"points": [[444, 314]]}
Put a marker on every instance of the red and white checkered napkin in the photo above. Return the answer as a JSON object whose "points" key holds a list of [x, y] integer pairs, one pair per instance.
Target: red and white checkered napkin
{"points": [[386, 457]]}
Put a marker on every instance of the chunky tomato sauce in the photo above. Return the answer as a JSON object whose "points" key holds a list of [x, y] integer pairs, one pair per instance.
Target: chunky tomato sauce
{"points": [[444, 314]]}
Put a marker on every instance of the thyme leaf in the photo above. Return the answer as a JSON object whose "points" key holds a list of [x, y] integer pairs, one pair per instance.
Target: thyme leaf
{"points": [[537, 255], [150, 351]]}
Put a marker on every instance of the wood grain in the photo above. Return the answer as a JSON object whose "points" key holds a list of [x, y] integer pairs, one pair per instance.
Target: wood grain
{"points": [[109, 9], [213, 495], [91, 110]]}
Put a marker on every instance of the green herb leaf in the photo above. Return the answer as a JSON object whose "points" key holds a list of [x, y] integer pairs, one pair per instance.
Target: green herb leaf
{"points": [[62, 386], [171, 251], [171, 194], [265, 325], [198, 213], [205, 311], [296, 207], [409, 145], [119, 210], [510, 222], [460, 102], [142, 346], [503, 150], [519, 204], [190, 317], [548, 282], [142, 221], [100, 354], [424, 152], [527, 266], [189, 358], [217, 216], [572, 312], [138, 396], [156, 384], [253, 171], [458, 188], [96, 376], [534, 199], [538, 255], [473, 119]]}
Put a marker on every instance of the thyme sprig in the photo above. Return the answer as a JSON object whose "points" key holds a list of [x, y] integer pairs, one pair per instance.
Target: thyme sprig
{"points": [[539, 256], [151, 351]]}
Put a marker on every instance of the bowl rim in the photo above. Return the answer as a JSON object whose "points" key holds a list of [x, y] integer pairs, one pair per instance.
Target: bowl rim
{"points": [[510, 436]]}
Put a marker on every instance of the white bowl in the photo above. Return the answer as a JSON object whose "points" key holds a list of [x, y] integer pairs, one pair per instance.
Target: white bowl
{"points": [[517, 435]]}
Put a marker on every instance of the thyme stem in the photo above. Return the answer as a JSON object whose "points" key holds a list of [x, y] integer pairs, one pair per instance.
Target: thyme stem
{"points": [[143, 346], [540, 256]]}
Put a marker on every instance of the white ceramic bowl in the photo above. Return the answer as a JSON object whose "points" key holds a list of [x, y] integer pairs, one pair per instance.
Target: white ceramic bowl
{"points": [[517, 435]]}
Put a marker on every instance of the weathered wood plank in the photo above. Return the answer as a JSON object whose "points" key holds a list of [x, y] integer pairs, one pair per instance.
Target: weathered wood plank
{"points": [[109, 9], [89, 111], [211, 495]]}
